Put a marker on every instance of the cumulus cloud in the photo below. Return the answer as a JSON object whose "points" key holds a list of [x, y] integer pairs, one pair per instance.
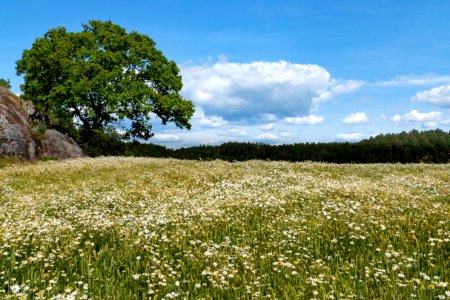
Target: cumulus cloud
{"points": [[438, 96], [431, 124], [201, 119], [356, 118], [336, 88], [417, 117], [306, 120], [350, 136], [166, 138], [250, 91]]}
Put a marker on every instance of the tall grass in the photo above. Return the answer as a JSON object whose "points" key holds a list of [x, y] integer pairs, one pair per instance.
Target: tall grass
{"points": [[130, 228]]}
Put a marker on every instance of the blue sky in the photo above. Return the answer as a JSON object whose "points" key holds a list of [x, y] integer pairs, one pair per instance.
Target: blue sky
{"points": [[276, 71]]}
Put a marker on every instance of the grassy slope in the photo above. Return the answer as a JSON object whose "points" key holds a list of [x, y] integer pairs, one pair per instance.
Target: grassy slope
{"points": [[129, 228]]}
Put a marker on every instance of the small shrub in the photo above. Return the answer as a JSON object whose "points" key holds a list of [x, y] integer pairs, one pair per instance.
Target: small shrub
{"points": [[39, 130], [5, 83]]}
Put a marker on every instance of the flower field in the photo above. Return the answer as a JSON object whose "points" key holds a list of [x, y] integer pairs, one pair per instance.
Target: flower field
{"points": [[140, 228]]}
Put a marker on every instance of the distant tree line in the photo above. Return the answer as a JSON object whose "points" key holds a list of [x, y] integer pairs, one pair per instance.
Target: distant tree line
{"points": [[431, 146]]}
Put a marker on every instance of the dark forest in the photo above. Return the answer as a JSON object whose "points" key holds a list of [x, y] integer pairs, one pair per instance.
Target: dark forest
{"points": [[431, 146]]}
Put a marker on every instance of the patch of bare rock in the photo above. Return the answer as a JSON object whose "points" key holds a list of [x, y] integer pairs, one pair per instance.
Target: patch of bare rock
{"points": [[17, 138]]}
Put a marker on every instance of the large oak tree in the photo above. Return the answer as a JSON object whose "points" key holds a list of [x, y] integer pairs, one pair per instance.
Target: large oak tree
{"points": [[100, 77]]}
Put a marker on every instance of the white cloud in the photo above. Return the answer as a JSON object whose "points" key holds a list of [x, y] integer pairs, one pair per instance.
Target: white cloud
{"points": [[346, 87], [267, 137], [250, 91], [350, 136], [418, 117], [438, 96], [336, 88], [201, 119], [397, 118], [356, 118], [166, 138], [413, 79], [233, 132], [306, 120], [265, 127], [431, 124], [210, 142], [195, 137], [120, 131]]}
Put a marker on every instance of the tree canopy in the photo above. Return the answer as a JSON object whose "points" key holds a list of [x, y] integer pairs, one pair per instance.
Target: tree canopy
{"points": [[100, 77]]}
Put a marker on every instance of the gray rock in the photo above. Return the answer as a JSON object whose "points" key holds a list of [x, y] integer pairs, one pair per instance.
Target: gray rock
{"points": [[16, 135], [54, 144]]}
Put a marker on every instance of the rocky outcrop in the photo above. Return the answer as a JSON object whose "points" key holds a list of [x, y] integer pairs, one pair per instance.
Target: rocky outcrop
{"points": [[17, 138], [54, 144], [34, 115]]}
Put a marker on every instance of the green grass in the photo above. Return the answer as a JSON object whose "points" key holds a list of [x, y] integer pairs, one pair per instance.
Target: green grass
{"points": [[131, 228]]}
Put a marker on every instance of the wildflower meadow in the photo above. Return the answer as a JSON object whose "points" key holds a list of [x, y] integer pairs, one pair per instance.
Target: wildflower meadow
{"points": [[142, 228]]}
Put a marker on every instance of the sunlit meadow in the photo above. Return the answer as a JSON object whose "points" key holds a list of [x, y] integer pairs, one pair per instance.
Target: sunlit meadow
{"points": [[138, 228]]}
